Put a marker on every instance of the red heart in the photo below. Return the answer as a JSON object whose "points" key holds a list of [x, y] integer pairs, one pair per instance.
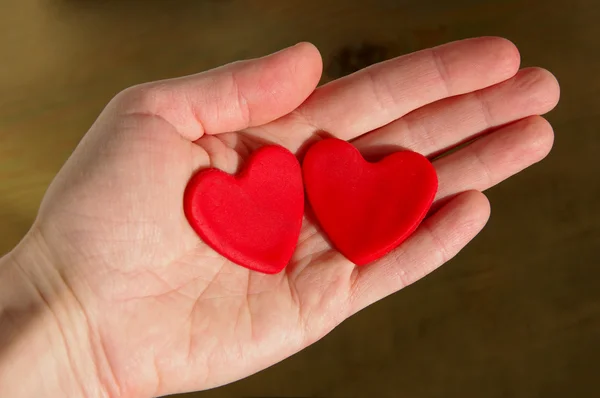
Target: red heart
{"points": [[254, 218], [367, 209]]}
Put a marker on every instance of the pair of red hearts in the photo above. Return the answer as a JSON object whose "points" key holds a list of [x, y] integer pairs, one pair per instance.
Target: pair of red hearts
{"points": [[366, 209]]}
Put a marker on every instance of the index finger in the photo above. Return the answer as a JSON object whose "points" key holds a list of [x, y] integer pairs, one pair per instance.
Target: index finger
{"points": [[377, 95]]}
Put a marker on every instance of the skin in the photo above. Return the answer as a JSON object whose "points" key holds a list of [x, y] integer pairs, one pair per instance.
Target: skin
{"points": [[112, 294]]}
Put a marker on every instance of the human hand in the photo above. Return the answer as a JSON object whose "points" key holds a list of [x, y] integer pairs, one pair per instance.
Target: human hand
{"points": [[144, 304]]}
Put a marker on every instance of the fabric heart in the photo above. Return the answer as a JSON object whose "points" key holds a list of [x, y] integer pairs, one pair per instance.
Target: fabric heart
{"points": [[253, 218], [367, 209]]}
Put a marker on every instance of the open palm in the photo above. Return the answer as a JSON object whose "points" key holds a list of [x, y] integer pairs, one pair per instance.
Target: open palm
{"points": [[167, 314]]}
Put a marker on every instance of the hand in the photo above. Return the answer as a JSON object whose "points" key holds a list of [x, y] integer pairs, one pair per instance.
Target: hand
{"points": [[157, 311]]}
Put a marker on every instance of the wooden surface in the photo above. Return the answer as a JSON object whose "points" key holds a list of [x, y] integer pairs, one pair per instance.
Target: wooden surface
{"points": [[517, 314]]}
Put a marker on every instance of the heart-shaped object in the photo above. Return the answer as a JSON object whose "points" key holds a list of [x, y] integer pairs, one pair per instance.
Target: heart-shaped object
{"points": [[253, 218], [367, 209]]}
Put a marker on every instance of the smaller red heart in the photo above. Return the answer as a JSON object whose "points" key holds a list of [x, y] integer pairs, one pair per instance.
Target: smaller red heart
{"points": [[253, 218], [367, 209]]}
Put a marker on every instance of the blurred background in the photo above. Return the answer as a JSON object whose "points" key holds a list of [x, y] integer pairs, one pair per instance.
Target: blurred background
{"points": [[516, 314]]}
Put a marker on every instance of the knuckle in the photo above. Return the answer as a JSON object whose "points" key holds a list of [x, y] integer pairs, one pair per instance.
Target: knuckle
{"points": [[142, 98]]}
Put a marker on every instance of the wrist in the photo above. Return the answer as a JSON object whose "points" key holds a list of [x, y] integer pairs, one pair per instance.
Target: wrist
{"points": [[46, 347]]}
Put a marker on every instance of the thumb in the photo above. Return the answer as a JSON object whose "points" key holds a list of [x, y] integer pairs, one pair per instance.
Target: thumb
{"points": [[232, 97]]}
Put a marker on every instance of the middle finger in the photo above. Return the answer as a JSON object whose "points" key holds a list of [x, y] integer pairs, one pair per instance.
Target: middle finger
{"points": [[444, 124]]}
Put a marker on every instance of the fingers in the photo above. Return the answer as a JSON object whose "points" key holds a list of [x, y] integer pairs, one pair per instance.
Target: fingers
{"points": [[384, 92], [232, 97], [446, 123], [495, 157], [478, 166], [438, 239]]}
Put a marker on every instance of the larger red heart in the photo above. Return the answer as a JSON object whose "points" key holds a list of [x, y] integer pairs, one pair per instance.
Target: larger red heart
{"points": [[254, 218], [367, 209]]}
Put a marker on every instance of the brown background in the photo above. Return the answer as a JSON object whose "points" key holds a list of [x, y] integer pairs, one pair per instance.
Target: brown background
{"points": [[515, 315]]}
